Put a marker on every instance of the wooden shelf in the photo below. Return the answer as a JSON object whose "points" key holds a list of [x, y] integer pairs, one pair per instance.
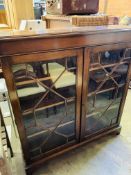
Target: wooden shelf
{"points": [[100, 79], [113, 106], [41, 107], [104, 90], [44, 78], [26, 82], [96, 66], [51, 128]]}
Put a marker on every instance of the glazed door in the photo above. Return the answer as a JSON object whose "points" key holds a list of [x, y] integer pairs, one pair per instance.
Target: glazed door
{"points": [[46, 95], [106, 77]]}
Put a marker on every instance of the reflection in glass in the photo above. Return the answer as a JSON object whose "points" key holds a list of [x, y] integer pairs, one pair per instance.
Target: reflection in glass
{"points": [[47, 93], [107, 79]]}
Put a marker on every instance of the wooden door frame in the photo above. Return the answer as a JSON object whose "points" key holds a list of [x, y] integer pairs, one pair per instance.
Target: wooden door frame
{"points": [[7, 63], [87, 55]]}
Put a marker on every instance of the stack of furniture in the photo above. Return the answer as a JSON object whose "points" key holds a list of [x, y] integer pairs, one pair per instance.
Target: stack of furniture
{"points": [[62, 21], [66, 13]]}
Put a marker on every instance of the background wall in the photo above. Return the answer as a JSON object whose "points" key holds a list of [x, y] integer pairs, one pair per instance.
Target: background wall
{"points": [[117, 7]]}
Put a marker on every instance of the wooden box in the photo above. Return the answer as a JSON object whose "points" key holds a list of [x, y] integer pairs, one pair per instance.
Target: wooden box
{"points": [[72, 6]]}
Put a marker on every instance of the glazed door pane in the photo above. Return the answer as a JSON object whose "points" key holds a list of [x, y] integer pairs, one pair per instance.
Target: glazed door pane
{"points": [[107, 78], [47, 97]]}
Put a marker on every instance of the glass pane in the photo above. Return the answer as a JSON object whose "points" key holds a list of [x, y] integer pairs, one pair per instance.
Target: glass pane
{"points": [[102, 119], [103, 100], [107, 79], [47, 95], [110, 58]]}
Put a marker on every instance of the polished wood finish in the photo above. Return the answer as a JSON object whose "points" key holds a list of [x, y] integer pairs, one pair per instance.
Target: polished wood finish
{"points": [[81, 43], [85, 90]]}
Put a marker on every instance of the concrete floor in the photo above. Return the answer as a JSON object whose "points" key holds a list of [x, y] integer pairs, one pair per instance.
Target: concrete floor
{"points": [[110, 155]]}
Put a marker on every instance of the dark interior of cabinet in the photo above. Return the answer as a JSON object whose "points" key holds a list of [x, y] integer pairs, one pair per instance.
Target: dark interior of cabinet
{"points": [[107, 79]]}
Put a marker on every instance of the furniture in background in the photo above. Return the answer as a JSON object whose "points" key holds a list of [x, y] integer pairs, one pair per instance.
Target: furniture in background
{"points": [[17, 11], [96, 20], [62, 21], [32, 25], [3, 19], [67, 7], [5, 147], [66, 87], [57, 21], [6, 108]]}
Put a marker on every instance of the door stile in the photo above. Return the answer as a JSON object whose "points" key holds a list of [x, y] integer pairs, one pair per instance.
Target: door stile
{"points": [[79, 91], [87, 55]]}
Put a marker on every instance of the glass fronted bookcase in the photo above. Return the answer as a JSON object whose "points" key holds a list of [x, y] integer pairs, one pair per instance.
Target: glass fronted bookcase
{"points": [[66, 89]]}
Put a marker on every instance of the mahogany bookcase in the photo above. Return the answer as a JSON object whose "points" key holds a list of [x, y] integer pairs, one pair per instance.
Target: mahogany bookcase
{"points": [[66, 88]]}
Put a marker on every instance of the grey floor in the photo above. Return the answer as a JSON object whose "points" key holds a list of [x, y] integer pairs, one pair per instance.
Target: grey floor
{"points": [[110, 155]]}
